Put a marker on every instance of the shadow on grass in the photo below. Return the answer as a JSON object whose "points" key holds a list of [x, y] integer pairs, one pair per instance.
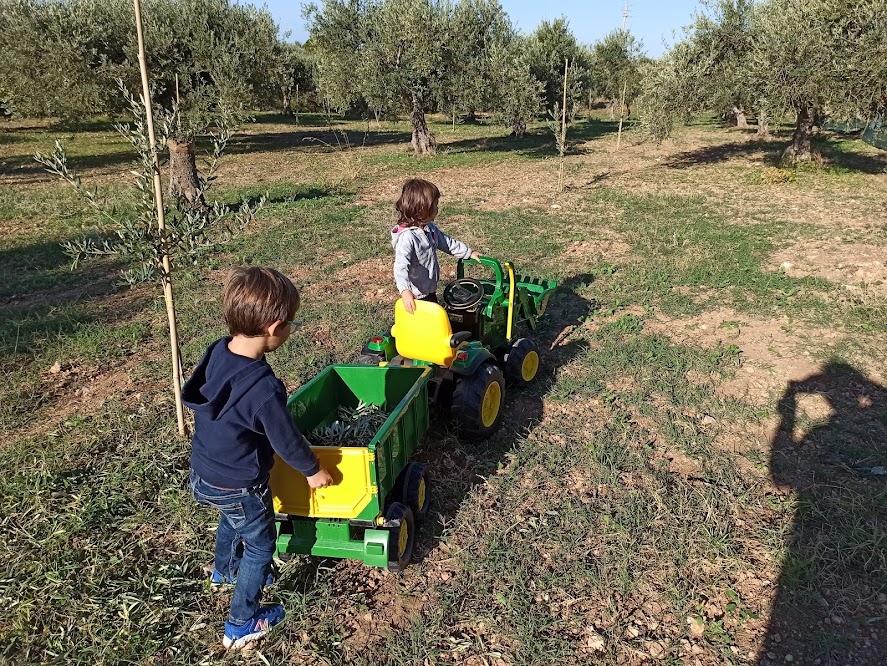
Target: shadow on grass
{"points": [[773, 149], [42, 298], [24, 169], [292, 195], [539, 142], [456, 465], [323, 140], [830, 602]]}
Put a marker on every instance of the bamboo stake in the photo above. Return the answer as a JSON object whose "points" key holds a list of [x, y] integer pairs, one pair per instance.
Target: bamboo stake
{"points": [[166, 277], [296, 107], [563, 146], [621, 115]]}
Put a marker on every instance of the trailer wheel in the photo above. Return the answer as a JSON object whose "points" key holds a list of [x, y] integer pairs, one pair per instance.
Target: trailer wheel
{"points": [[415, 489], [522, 362], [477, 402], [401, 525]]}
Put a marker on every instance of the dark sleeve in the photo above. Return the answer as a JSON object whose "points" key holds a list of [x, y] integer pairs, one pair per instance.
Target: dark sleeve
{"points": [[275, 420]]}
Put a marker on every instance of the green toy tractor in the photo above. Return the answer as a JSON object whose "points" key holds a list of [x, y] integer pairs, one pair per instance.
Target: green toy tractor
{"points": [[470, 341]]}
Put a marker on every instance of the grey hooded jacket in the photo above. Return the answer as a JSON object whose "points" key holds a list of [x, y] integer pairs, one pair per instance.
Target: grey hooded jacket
{"points": [[415, 257]]}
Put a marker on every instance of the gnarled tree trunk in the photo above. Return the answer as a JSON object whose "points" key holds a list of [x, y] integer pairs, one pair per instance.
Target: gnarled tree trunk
{"points": [[763, 124], [287, 108], [739, 115], [183, 181], [799, 150], [518, 127], [423, 142], [472, 116]]}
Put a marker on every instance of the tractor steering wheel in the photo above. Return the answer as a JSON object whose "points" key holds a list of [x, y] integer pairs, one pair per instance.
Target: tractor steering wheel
{"points": [[463, 293]]}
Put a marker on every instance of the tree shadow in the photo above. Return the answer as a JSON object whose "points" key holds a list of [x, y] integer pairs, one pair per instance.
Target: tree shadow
{"points": [[323, 140], [771, 148], [830, 603], [23, 169], [539, 142], [769, 151], [305, 119], [457, 466], [43, 298], [295, 194]]}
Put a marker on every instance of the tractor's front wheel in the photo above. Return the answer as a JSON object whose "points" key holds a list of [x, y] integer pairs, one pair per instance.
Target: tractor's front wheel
{"points": [[522, 362], [477, 402]]}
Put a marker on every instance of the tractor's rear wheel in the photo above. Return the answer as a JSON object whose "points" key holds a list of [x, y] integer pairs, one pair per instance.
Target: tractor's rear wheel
{"points": [[477, 402], [401, 525], [522, 362]]}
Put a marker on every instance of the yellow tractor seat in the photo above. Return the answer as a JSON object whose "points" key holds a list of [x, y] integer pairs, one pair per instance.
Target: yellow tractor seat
{"points": [[426, 335]]}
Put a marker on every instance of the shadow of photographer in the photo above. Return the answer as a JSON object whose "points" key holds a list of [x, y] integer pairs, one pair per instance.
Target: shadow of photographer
{"points": [[830, 604]]}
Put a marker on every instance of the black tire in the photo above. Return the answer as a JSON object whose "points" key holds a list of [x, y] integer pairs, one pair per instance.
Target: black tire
{"points": [[399, 519], [522, 362], [473, 402], [414, 482]]}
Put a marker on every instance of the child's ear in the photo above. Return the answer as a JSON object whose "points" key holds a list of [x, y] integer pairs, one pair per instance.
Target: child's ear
{"points": [[274, 329]]}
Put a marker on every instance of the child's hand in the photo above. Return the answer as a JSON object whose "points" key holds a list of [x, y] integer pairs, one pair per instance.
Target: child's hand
{"points": [[409, 301], [475, 256], [320, 480]]}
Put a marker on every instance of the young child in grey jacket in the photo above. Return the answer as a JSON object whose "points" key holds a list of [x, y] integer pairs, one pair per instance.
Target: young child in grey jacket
{"points": [[416, 241]]}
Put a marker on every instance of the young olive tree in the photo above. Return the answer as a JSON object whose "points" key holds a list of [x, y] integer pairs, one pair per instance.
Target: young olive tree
{"points": [[667, 94], [393, 54], [546, 50], [518, 94], [614, 70], [291, 73], [479, 26]]}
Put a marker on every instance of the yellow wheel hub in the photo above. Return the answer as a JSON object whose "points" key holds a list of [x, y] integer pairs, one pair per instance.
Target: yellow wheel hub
{"points": [[402, 540], [489, 408], [530, 366], [420, 496]]}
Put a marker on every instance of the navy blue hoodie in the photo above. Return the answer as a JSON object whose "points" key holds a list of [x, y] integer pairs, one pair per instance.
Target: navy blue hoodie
{"points": [[240, 419]]}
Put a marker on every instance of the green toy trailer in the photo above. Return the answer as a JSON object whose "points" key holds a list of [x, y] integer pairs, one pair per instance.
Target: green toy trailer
{"points": [[470, 342], [370, 511]]}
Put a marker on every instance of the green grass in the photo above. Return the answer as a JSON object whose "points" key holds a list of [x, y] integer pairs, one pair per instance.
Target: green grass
{"points": [[627, 493]]}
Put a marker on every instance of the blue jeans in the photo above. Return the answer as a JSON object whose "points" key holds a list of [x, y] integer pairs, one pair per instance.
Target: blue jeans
{"points": [[245, 541]]}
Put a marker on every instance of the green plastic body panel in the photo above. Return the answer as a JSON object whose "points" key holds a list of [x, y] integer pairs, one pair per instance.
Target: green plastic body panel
{"points": [[530, 300], [403, 393], [333, 538]]}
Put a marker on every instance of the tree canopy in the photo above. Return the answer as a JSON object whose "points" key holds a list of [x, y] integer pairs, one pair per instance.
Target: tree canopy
{"points": [[804, 57]]}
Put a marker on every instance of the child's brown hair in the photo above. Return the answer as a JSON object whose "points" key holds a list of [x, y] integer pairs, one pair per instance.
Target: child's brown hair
{"points": [[417, 203], [256, 297]]}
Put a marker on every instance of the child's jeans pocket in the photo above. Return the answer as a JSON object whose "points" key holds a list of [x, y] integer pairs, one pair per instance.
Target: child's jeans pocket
{"points": [[227, 502]]}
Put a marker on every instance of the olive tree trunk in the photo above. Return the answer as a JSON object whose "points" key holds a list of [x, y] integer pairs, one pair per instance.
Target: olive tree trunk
{"points": [[741, 119], [183, 181], [799, 150], [518, 127], [287, 108], [763, 124], [423, 142]]}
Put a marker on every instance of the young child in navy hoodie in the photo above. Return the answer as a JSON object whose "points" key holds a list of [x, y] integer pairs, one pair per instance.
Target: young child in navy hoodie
{"points": [[416, 241], [240, 420]]}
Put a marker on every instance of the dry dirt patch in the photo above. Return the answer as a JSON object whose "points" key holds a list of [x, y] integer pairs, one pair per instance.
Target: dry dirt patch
{"points": [[853, 265], [493, 187], [773, 351]]}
